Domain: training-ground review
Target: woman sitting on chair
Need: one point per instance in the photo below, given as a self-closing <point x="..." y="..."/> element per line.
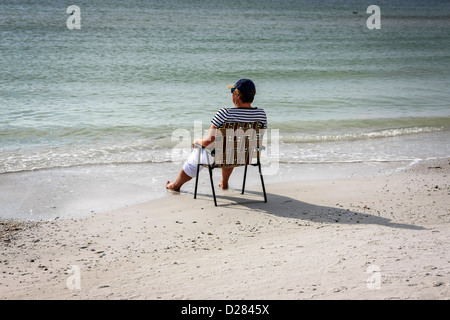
<point x="243" y="93"/>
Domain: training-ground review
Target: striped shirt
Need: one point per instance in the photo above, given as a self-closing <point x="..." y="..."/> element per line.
<point x="226" y="115"/>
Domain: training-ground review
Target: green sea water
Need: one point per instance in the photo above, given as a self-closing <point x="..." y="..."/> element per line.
<point x="136" y="71"/>
<point x="114" y="91"/>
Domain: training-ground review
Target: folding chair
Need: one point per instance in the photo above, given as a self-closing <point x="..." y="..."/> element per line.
<point x="236" y="144"/>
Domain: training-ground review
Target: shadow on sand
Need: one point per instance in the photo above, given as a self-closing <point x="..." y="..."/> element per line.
<point x="288" y="207"/>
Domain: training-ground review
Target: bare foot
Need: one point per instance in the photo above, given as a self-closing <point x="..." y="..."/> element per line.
<point x="171" y="186"/>
<point x="223" y="186"/>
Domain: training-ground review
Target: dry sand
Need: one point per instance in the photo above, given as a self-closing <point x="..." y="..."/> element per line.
<point x="385" y="237"/>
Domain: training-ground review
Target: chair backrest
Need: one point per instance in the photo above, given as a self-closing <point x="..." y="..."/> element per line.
<point x="238" y="144"/>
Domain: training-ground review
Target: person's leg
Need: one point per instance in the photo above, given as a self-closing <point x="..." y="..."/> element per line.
<point x="226" y="173"/>
<point x="189" y="169"/>
<point x="180" y="180"/>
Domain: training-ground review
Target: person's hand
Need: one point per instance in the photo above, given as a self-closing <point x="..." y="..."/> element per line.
<point x="196" y="141"/>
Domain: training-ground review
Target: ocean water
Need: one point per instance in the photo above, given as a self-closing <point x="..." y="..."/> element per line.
<point x="108" y="103"/>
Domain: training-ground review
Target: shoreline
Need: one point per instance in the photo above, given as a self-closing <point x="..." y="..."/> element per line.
<point x="380" y="237"/>
<point x="78" y="192"/>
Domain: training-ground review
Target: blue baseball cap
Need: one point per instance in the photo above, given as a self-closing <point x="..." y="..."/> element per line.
<point x="245" y="86"/>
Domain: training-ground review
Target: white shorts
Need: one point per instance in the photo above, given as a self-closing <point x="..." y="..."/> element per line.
<point x="190" y="166"/>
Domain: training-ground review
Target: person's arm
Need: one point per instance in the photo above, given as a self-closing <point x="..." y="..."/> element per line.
<point x="208" y="140"/>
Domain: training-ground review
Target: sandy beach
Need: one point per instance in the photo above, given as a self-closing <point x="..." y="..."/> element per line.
<point x="385" y="237"/>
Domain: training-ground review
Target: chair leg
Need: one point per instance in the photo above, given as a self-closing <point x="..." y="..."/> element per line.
<point x="212" y="185"/>
<point x="196" y="181"/>
<point x="245" y="176"/>
<point x="262" y="182"/>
